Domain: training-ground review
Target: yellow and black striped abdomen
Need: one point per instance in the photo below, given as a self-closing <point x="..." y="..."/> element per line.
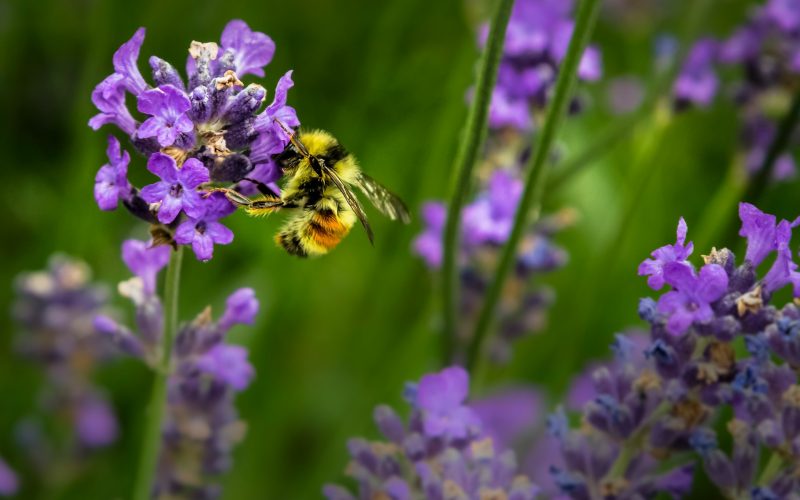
<point x="316" y="231"/>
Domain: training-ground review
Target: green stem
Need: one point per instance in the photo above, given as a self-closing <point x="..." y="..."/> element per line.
<point x="778" y="146"/>
<point x="151" y="443"/>
<point x="530" y="203"/>
<point x="634" y="442"/>
<point x="471" y="141"/>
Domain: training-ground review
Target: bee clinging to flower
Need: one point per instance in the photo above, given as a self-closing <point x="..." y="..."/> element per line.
<point x="323" y="208"/>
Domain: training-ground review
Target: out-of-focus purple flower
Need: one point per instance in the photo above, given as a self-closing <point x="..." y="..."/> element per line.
<point x="228" y="363"/>
<point x="428" y="245"/>
<point x="490" y="218"/>
<point x="176" y="190"/>
<point x="508" y="111"/>
<point x="111" y="182"/>
<point x="690" y="301"/>
<point x="441" y="398"/>
<point x="9" y="484"/>
<point x="167" y="107"/>
<point x="785" y="13"/>
<point x="697" y="82"/>
<point x="249" y="50"/>
<point x="240" y="308"/>
<point x="126" y="63"/>
<point x="412" y="463"/>
<point x="679" y="252"/>
<point x="506" y="415"/>
<point x="205" y="231"/>
<point x="96" y="424"/>
<point x="109" y="98"/>
<point x="625" y="94"/>
<point x="145" y="261"/>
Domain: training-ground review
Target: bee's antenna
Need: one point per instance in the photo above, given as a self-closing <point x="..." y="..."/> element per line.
<point x="297" y="144"/>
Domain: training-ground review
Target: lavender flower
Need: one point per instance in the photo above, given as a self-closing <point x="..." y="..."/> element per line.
<point x="54" y="310"/>
<point x="9" y="484"/>
<point x="201" y="426"/>
<point x="422" y="460"/>
<point x="536" y="43"/>
<point x="111" y="182"/>
<point x="206" y="128"/>
<point x="678" y="252"/>
<point x="764" y="54"/>
<point x="645" y="410"/>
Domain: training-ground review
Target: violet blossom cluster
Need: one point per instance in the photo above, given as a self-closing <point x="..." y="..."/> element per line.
<point x="202" y="131"/>
<point x="764" y="54"/>
<point x="9" y="483"/>
<point x="536" y="42"/>
<point x="440" y="453"/>
<point x="206" y="372"/>
<point x="53" y="310"/>
<point x="656" y="409"/>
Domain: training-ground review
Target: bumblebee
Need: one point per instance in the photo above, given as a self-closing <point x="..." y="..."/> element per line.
<point x="322" y="207"/>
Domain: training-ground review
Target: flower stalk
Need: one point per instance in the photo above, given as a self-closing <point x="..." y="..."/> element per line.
<point x="151" y="440"/>
<point x="471" y="141"/>
<point x="530" y="202"/>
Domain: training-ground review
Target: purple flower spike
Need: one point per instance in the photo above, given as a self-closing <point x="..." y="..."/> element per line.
<point x="145" y="261"/>
<point x="240" y="309"/>
<point x="251" y="50"/>
<point x="679" y="252"/>
<point x="428" y="245"/>
<point x="125" y="63"/>
<point x="167" y="106"/>
<point x="96" y="425"/>
<point x="176" y="190"/>
<point x="697" y="82"/>
<point x="9" y="484"/>
<point x="111" y="182"/>
<point x="784" y="13"/>
<point x="441" y="397"/>
<point x="228" y="363"/>
<point x="205" y="231"/>
<point x="690" y="301"/>
<point x="109" y="98"/>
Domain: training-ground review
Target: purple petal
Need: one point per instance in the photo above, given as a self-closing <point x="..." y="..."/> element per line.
<point x="151" y="102"/>
<point x="219" y="233"/>
<point x="240" y="308"/>
<point x="680" y="276"/>
<point x="125" y="62"/>
<point x="759" y="229"/>
<point x="153" y="193"/>
<point x="203" y="246"/>
<point x="712" y="282"/>
<point x="252" y="50"/>
<point x="193" y="173"/>
<point x="184" y="234"/>
<point x="193" y="204"/>
<point x="96" y="425"/>
<point x="163" y="166"/>
<point x="166" y="135"/>
<point x="169" y="209"/>
<point x="281" y="95"/>
<point x="228" y="363"/>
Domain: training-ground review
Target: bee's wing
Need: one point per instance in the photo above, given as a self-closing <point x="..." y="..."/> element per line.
<point x="351" y="199"/>
<point x="384" y="200"/>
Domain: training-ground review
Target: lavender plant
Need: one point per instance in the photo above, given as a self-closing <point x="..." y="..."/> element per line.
<point x="442" y="452"/>
<point x="762" y="54"/>
<point x="535" y="44"/>
<point x="654" y="409"/>
<point x="203" y="132"/>
<point x="205" y="129"/>
<point x="53" y="311"/>
<point x="201" y="425"/>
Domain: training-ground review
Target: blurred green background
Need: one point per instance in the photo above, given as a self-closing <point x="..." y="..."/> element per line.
<point x="340" y="334"/>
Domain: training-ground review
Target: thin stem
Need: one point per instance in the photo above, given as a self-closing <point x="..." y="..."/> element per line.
<point x="151" y="443"/>
<point x="531" y="200"/>
<point x="634" y="442"/>
<point x="471" y="141"/>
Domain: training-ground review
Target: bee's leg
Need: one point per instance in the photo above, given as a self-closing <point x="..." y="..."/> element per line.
<point x="262" y="188"/>
<point x="264" y="206"/>
<point x="233" y="196"/>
